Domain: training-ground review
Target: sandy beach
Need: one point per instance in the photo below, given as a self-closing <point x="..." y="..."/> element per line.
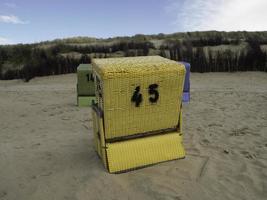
<point x="46" y="144"/>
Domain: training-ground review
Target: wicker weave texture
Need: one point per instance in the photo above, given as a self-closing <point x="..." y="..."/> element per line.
<point x="111" y="68"/>
<point x="85" y="83"/>
<point x="119" y="80"/>
<point x="140" y="152"/>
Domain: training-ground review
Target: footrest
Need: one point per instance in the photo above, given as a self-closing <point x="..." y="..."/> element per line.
<point x="136" y="153"/>
<point x="85" y="101"/>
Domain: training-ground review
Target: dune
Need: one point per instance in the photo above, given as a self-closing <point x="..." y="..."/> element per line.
<point x="46" y="144"/>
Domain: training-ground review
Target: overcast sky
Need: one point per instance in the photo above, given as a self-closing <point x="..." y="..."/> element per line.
<point x="30" y="21"/>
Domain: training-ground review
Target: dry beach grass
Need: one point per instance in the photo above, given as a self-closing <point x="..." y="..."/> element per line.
<point x="46" y="146"/>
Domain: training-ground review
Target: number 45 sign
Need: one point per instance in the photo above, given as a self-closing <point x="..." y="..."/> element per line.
<point x="137" y="97"/>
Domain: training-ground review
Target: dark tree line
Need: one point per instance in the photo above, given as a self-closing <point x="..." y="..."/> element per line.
<point x="38" y="61"/>
<point x="42" y="63"/>
<point x="51" y="58"/>
<point x="252" y="58"/>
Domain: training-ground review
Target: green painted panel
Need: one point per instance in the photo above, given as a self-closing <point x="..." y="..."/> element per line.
<point x="85" y="101"/>
<point x="85" y="82"/>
